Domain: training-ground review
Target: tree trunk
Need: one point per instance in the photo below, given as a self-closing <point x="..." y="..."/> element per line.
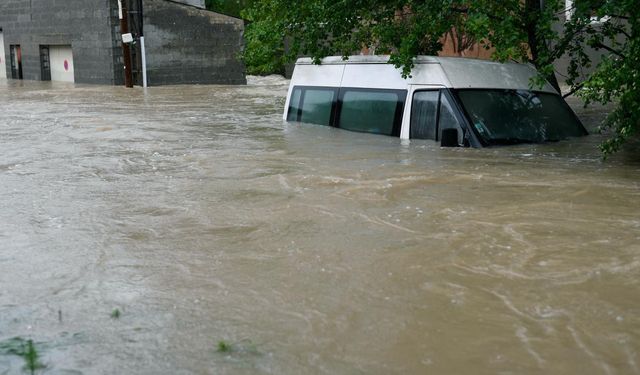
<point x="533" y="10"/>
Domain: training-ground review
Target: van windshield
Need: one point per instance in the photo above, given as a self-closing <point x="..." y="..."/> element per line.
<point x="519" y="116"/>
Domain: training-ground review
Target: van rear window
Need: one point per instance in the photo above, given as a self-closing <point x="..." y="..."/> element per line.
<point x="372" y="111"/>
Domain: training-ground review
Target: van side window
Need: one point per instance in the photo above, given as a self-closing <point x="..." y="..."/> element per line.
<point x="431" y="112"/>
<point x="448" y="119"/>
<point x="294" y="105"/>
<point x="313" y="105"/>
<point x="372" y="111"/>
<point x="317" y="105"/>
<point x="424" y="114"/>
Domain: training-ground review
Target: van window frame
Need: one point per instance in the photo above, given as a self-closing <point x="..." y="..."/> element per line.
<point x="460" y="116"/>
<point x="397" y="117"/>
<point x="303" y="92"/>
<point x="437" y="125"/>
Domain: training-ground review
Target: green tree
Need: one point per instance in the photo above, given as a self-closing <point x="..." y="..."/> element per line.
<point x="319" y="28"/>
<point x="229" y="7"/>
<point x="613" y="27"/>
<point x="523" y="30"/>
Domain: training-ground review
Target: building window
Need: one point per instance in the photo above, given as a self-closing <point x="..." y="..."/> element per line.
<point x="16" y="61"/>
<point x="45" y="64"/>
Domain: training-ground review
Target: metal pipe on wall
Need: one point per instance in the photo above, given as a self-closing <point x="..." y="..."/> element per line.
<point x="143" y="52"/>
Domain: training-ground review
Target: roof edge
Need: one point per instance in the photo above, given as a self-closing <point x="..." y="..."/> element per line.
<point x="384" y="59"/>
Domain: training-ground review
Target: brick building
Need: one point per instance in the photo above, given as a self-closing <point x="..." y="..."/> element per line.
<point x="80" y="41"/>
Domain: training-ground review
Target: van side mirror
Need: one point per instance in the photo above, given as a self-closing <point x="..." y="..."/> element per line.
<point x="449" y="138"/>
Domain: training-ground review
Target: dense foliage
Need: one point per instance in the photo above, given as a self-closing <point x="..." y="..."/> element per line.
<point x="612" y="27"/>
<point x="229" y="7"/>
<point x="532" y="31"/>
<point x="319" y="28"/>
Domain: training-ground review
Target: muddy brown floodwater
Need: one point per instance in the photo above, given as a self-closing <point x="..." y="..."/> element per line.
<point x="203" y="218"/>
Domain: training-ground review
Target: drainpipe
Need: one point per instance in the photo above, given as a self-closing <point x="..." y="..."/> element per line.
<point x="143" y="51"/>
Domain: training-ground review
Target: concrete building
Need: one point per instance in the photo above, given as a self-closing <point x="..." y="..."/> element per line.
<point x="80" y="41"/>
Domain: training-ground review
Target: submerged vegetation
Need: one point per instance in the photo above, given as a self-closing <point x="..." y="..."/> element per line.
<point x="223" y="347"/>
<point x="25" y="349"/>
<point x="115" y="314"/>
<point x="31" y="358"/>
<point x="240" y="348"/>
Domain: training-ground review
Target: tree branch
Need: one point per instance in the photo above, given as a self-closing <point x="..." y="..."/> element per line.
<point x="621" y="30"/>
<point x="573" y="91"/>
<point x="605" y="47"/>
<point x="618" y="16"/>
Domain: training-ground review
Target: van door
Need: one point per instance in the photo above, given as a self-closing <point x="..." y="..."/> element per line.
<point x="405" y="132"/>
<point x="433" y="109"/>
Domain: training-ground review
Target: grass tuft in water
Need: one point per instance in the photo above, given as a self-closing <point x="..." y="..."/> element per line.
<point x="243" y="348"/>
<point x="25" y="349"/>
<point x="32" y="358"/>
<point x="115" y="314"/>
<point x="223" y="347"/>
<point x="12" y="346"/>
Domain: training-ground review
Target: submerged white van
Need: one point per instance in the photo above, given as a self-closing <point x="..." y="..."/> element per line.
<point x="456" y="101"/>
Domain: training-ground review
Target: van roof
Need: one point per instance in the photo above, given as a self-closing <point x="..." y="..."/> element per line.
<point x="364" y="59"/>
<point x="460" y="72"/>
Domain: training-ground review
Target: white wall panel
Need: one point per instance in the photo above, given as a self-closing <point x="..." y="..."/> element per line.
<point x="61" y="63"/>
<point x="3" y="64"/>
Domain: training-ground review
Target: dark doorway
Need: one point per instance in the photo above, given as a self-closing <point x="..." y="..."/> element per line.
<point x="16" y="61"/>
<point x="45" y="63"/>
<point x="135" y="27"/>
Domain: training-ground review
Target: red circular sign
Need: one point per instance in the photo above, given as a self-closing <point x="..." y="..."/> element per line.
<point x="66" y="65"/>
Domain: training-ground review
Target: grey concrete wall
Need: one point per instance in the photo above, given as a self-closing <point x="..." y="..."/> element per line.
<point x="195" y="3"/>
<point x="86" y="25"/>
<point x="185" y="44"/>
<point x="190" y="45"/>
